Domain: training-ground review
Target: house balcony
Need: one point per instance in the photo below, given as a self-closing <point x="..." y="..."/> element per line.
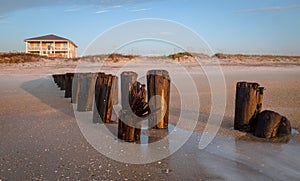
<point x="45" y="49"/>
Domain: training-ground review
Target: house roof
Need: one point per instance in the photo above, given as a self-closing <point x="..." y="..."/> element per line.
<point x="50" y="37"/>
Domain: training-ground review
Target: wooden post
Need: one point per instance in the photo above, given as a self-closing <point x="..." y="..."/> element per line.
<point x="127" y="79"/>
<point x="115" y="90"/>
<point x="114" y="98"/>
<point x="109" y="98"/>
<point x="58" y="79"/>
<point x="55" y="78"/>
<point x="260" y="98"/>
<point x="105" y="92"/>
<point x="98" y="84"/>
<point x="104" y="99"/>
<point x="158" y="84"/>
<point x="86" y="91"/>
<point x="126" y="132"/>
<point x="62" y="82"/>
<point x="248" y="104"/>
<point x="75" y="88"/>
<point x="139" y="107"/>
<point x="271" y="124"/>
<point x="68" y="84"/>
<point x="134" y="109"/>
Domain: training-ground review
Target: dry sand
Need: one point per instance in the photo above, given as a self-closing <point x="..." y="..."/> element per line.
<point x="40" y="138"/>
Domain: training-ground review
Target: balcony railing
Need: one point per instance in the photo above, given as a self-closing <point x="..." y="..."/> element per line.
<point x="45" y="49"/>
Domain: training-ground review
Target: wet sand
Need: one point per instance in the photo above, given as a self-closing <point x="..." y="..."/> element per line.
<point x="40" y="138"/>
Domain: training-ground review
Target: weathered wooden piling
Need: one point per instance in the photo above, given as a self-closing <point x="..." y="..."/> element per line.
<point x="96" y="115"/>
<point x="112" y="97"/>
<point x="248" y="103"/>
<point x="127" y="79"/>
<point x="55" y="78"/>
<point x="137" y="100"/>
<point x="271" y="124"/>
<point x="62" y="82"/>
<point x="86" y="82"/>
<point x="134" y="107"/>
<point x="106" y="95"/>
<point x="59" y="80"/>
<point x="75" y="88"/>
<point x="115" y="90"/>
<point x="260" y="99"/>
<point x="158" y="84"/>
<point x="68" y="84"/>
<point x="105" y="106"/>
<point x="126" y="132"/>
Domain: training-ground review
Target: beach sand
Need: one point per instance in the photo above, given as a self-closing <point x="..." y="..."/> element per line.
<point x="41" y="140"/>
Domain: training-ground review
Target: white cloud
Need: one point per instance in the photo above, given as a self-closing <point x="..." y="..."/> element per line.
<point x="270" y="9"/>
<point x="142" y="9"/>
<point x="103" y="11"/>
<point x="117" y="6"/>
<point x="108" y="9"/>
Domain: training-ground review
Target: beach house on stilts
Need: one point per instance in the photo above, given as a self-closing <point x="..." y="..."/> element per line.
<point x="51" y="46"/>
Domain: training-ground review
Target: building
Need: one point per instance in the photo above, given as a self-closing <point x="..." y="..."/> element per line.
<point x="52" y="46"/>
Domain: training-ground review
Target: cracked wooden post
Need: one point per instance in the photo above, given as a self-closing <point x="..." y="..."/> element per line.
<point x="126" y="132"/>
<point x="158" y="86"/>
<point x="68" y="84"/>
<point x="105" y="93"/>
<point x="134" y="107"/>
<point x="86" y="91"/>
<point x="112" y="98"/>
<point x="248" y="103"/>
<point x="139" y="107"/>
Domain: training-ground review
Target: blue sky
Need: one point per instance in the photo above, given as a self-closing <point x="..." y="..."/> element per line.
<point x="229" y="26"/>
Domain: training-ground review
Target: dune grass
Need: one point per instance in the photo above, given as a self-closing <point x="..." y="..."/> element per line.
<point x="115" y="57"/>
<point x="258" y="58"/>
<point x="14" y="58"/>
<point x="180" y="55"/>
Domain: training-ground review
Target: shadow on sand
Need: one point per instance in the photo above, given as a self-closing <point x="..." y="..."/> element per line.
<point x="48" y="93"/>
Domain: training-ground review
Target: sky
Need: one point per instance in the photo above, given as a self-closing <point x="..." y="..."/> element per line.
<point x="226" y="26"/>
